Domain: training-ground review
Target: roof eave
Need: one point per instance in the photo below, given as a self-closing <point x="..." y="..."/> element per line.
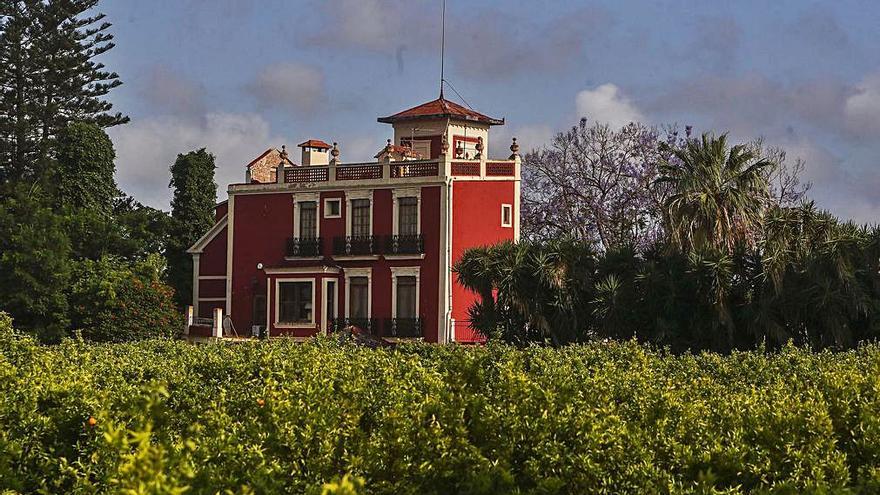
<point x="393" y="119"/>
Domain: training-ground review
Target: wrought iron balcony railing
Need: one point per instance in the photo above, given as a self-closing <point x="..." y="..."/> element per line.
<point x="355" y="245"/>
<point x="367" y="325"/>
<point x="404" y="244"/>
<point x="403" y="328"/>
<point x="303" y="247"/>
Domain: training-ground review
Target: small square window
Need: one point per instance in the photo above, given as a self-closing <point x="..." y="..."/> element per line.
<point x="332" y="208"/>
<point x="506" y="216"/>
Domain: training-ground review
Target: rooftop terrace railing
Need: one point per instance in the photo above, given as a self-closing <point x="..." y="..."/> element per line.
<point x="397" y="170"/>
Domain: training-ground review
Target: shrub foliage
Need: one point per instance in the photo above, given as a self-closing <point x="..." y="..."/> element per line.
<point x="114" y="301"/>
<point x="278" y="417"/>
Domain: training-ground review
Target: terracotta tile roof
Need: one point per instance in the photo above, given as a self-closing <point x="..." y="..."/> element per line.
<point x="440" y="108"/>
<point x="315" y="143"/>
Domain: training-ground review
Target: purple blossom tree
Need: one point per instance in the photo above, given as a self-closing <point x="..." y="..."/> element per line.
<point x="597" y="184"/>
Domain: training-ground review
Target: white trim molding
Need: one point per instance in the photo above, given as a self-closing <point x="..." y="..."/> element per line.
<point x="509" y="208"/>
<point x="404" y="271"/>
<point x="326" y="213"/>
<point x="325" y="282"/>
<point x="209" y="236"/>
<point x="359" y="272"/>
<point x="301" y="270"/>
<point x="195" y="279"/>
<point x="303" y="197"/>
<point x="230" y="244"/>
<point x="357" y="194"/>
<point x="408" y="192"/>
<point x="280" y="324"/>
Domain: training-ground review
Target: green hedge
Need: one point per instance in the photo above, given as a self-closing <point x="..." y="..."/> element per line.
<point x="279" y="417"/>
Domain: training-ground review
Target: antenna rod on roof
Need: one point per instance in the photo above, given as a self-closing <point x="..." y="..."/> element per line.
<point x="442" y="44"/>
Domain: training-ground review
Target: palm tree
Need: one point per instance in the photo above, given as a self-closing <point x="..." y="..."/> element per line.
<point x="717" y="193"/>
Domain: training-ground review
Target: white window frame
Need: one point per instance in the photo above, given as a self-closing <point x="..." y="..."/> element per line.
<point x="327" y="201"/>
<point x="508" y="207"/>
<point x="404" y="271"/>
<point x="412" y="192"/>
<point x="358" y="272"/>
<point x="335" y="310"/>
<point x="352" y="195"/>
<point x="279" y="324"/>
<point x="423" y="143"/>
<point x="306" y="198"/>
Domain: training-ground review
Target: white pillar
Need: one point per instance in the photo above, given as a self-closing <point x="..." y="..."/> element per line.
<point x="190" y="316"/>
<point x="218" y="323"/>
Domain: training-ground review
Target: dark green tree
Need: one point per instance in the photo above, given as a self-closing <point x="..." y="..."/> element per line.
<point x="192" y="214"/>
<point x="34" y="264"/>
<point x="144" y="230"/>
<point x="84" y="174"/>
<point x="49" y="76"/>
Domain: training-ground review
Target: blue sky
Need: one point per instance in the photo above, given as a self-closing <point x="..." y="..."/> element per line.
<point x="238" y="76"/>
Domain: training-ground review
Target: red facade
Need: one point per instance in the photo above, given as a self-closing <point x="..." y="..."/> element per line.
<point x="369" y="245"/>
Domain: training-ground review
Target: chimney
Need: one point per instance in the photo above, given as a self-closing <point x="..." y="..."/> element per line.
<point x="315" y="153"/>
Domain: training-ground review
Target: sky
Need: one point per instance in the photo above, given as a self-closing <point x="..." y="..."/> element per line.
<point x="240" y="76"/>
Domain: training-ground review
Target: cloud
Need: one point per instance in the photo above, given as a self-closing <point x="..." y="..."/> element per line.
<point x="484" y="43"/>
<point x="607" y="104"/>
<point x="146" y="148"/>
<point x="295" y="87"/>
<point x="168" y="92"/>
<point x="496" y="45"/>
<point x="751" y="104"/>
<point x="367" y="24"/>
<point x="819" y="27"/>
<point x="862" y="108"/>
<point x="717" y="43"/>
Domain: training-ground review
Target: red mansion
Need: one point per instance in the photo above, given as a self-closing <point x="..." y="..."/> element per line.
<point x="301" y="249"/>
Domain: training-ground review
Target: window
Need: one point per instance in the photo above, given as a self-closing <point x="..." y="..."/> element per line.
<point x="420" y="146"/>
<point x="359" y="297"/>
<point x="360" y="217"/>
<point x="406" y="297"/>
<point x="506" y="216"/>
<point x="332" y="208"/>
<point x="295" y="302"/>
<point x="308" y="220"/>
<point x="408" y="216"/>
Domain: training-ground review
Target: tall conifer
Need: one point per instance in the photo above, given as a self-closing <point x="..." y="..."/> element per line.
<point x="192" y="214"/>
<point x="49" y="77"/>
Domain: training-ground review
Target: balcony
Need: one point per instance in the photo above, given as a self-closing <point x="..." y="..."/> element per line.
<point x="355" y="246"/>
<point x="401" y="328"/>
<point x="404" y="244"/>
<point x="375" y="245"/>
<point x="308" y="247"/>
<point x="367" y="325"/>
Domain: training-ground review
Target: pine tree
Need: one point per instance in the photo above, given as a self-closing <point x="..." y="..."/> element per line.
<point x="48" y="78"/>
<point x="192" y="214"/>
